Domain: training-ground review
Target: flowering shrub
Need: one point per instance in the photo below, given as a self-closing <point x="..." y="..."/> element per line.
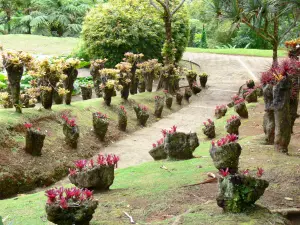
<point x="208" y="123"/>
<point x="68" y="197"/>
<point x="232" y="118"/>
<point x="101" y="115"/>
<point x="158" y="143"/>
<point x="70" y="122"/>
<point x="226" y="140"/>
<point x="123" y="110"/>
<point x="239" y="101"/>
<point x="219" y="108"/>
<point x="27" y="125"/>
<point x="292" y="43"/>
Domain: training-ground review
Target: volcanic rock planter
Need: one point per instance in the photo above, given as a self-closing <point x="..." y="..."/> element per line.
<point x="196" y="89"/>
<point x="220" y="111"/>
<point x="70" y="206"/>
<point x="14" y="74"/>
<point x="141" y="114"/>
<point x="241" y="109"/>
<point x="259" y="91"/>
<point x="238" y="193"/>
<point x="250" y="84"/>
<point x="58" y="99"/>
<point x="86" y="92"/>
<point x="158" y="107"/>
<point x="71" y="134"/>
<point x="180" y="145"/>
<point x="179" y="98"/>
<point x="108" y="93"/>
<point x="100" y="124"/>
<point x="187" y="94"/>
<point x="209" y="129"/>
<point x="281" y="102"/>
<point x="69" y="83"/>
<point x="122" y="119"/>
<point x="250" y="96"/>
<point x="233" y="124"/>
<point x="203" y="79"/>
<point x="226" y="156"/>
<point x="169" y="101"/>
<point x="158" y="152"/>
<point x="34" y="142"/>
<point x="47" y="97"/>
<point x="142" y="86"/>
<point x="125" y="91"/>
<point x="269" y="119"/>
<point x="191" y="77"/>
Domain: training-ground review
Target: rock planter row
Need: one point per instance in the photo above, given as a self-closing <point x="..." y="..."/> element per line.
<point x="70" y="206"/>
<point x="237" y="192"/>
<point x="175" y="145"/>
<point x="97" y="175"/>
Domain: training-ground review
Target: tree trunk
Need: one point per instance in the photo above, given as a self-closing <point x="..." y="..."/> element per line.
<point x="275" y="42"/>
<point x="8" y="19"/>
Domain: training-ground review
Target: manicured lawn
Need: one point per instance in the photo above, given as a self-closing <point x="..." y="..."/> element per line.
<point x="239" y="51"/>
<point x="39" y="44"/>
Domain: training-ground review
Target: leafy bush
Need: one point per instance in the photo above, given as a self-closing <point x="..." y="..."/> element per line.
<point x="114" y="28"/>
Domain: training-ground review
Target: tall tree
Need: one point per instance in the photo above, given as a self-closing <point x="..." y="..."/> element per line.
<point x="9" y="7"/>
<point x="264" y="17"/>
<point x="167" y="8"/>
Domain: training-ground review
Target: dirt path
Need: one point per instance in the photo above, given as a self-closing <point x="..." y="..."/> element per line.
<point x="226" y="75"/>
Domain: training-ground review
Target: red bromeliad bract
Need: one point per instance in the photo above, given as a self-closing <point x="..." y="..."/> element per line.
<point x="229" y="138"/>
<point x="239" y="101"/>
<point x="27" y="125"/>
<point x="70" y="122"/>
<point x="101" y="115"/>
<point x="224" y="173"/>
<point x="260" y="172"/>
<point x="232" y="118"/>
<point x="208" y="123"/>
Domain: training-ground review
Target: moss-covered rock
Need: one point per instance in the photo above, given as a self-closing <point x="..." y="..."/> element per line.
<point x="209" y="131"/>
<point x="71" y="135"/>
<point x="158" y="153"/>
<point x="34" y="142"/>
<point x="241" y="109"/>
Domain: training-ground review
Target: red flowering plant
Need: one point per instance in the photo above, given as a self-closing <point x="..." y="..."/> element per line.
<point x="100" y="115"/>
<point x="260" y="172"/>
<point x="164" y="132"/>
<point x="224" y="173"/>
<point x="208" y="123"/>
<point x="209" y="128"/>
<point x="29" y="127"/>
<point x="70" y="205"/>
<point x="235" y="97"/>
<point x="229" y="138"/>
<point x="239" y="101"/>
<point x="220" y="111"/>
<point x="68" y="121"/>
<point x="233" y="118"/>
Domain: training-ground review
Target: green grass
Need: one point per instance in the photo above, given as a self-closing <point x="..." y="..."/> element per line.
<point x="239" y="51"/>
<point x="39" y="44"/>
<point x="147" y="190"/>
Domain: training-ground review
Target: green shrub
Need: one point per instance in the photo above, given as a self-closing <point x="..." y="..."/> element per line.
<point x="117" y="27"/>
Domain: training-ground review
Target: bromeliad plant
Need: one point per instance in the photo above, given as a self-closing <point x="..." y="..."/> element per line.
<point x="159" y="105"/>
<point x="70" y="205"/>
<point x="209" y="129"/>
<point x="122" y="118"/>
<point x="191" y="77"/>
<point x="34" y="140"/>
<point x="110" y="84"/>
<point x="100" y="124"/>
<point x="98" y="175"/>
<point x="220" y="111"/>
<point x="124" y="79"/>
<point x="149" y="70"/>
<point x="70" y="130"/>
<point x="142" y="114"/>
<point x="233" y="124"/>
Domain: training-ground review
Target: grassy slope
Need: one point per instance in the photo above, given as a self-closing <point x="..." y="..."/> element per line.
<point x="64" y="46"/>
<point x="39" y="44"/>
<point x="151" y="195"/>
<point x="239" y="51"/>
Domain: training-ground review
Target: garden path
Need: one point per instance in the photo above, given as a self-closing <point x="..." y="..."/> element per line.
<point x="226" y="74"/>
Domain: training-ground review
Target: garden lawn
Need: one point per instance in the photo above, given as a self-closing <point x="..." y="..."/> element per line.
<point x="41" y="45"/>
<point x="153" y="194"/>
<point x="239" y="51"/>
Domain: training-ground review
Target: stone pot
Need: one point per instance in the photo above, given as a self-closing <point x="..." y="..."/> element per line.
<point x="100" y="126"/>
<point x="237" y="192"/>
<point x="79" y="215"/>
<point x="71" y="135"/>
<point x="281" y="103"/>
<point x="220" y="113"/>
<point x="47" y="98"/>
<point x="209" y="131"/>
<point x="108" y="93"/>
<point x="169" y="101"/>
<point x="196" y="89"/>
<point x="233" y="126"/>
<point x="122" y="121"/>
<point x="241" y="109"/>
<point x="86" y="92"/>
<point x="179" y="98"/>
<point x="158" y="153"/>
<point x="203" y="81"/>
<point x="159" y="105"/>
<point x="180" y="145"/>
<point x="34" y="142"/>
<point x="252" y="97"/>
<point x="97" y="178"/>
<point x="72" y="74"/>
<point x="226" y="156"/>
<point x="187" y="94"/>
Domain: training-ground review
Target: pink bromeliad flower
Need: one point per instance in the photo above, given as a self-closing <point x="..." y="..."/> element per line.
<point x="208" y="123"/>
<point x="63" y="203"/>
<point x="164" y="132"/>
<point x="154" y="145"/>
<point x="80" y="164"/>
<point x="101" y="115"/>
<point x="51" y="194"/>
<point x="232" y="118"/>
<point x="27" y="125"/>
<point x="224" y="173"/>
<point x="239" y="101"/>
<point x="260" y="172"/>
<point x="226" y="140"/>
<point x="87" y="193"/>
<point x="246" y="172"/>
<point x="72" y="172"/>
